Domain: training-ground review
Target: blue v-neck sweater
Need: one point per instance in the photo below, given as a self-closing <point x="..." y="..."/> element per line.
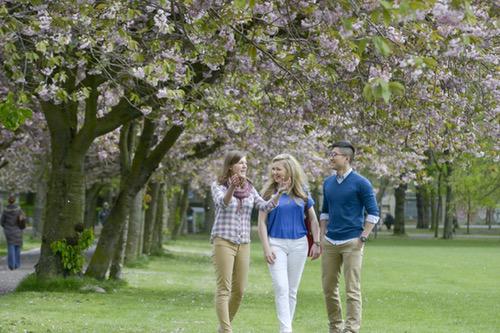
<point x="345" y="204"/>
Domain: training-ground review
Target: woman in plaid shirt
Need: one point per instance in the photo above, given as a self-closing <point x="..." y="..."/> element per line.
<point x="234" y="197"/>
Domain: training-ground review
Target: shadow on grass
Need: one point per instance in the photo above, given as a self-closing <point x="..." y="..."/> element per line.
<point x="79" y="284"/>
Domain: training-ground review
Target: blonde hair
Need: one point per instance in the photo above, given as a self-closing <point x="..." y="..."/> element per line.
<point x="230" y="159"/>
<point x="296" y="174"/>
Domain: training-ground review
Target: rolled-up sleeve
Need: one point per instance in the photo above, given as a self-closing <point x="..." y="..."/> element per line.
<point x="262" y="204"/>
<point x="218" y="193"/>
<point x="369" y="202"/>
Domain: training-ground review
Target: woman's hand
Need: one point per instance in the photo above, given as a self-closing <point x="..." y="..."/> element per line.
<point x="236" y="180"/>
<point x="315" y="251"/>
<point x="284" y="186"/>
<point x="269" y="256"/>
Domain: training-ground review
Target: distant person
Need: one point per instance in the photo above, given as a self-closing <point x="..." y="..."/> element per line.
<point x="234" y="198"/>
<point x="388" y="221"/>
<point x="12" y="221"/>
<point x="346" y="197"/>
<point x="104" y="213"/>
<point x="283" y="234"/>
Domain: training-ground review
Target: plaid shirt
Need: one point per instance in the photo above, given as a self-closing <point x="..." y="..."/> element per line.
<point x="232" y="225"/>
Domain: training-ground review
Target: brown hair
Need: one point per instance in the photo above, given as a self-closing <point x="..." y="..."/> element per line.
<point x="11" y="199"/>
<point x="231" y="158"/>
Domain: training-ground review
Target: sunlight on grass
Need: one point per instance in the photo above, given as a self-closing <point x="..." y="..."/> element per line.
<point x="414" y="286"/>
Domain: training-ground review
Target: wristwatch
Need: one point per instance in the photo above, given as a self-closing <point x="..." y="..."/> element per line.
<point x="363" y="239"/>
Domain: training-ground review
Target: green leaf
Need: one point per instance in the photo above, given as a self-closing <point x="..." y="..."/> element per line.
<point x="347" y="23"/>
<point x="386" y="92"/>
<point x="382" y="46"/>
<point x="430" y="62"/>
<point x="367" y="92"/>
<point x="397" y="88"/>
<point x="386" y="4"/>
<point x="362" y="46"/>
<point x="240" y="4"/>
<point x="252" y="52"/>
<point x="11" y="115"/>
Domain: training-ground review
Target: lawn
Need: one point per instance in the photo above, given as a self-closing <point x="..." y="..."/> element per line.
<point x="415" y="286"/>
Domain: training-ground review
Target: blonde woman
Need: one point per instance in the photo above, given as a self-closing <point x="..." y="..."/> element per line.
<point x="283" y="234"/>
<point x="234" y="197"/>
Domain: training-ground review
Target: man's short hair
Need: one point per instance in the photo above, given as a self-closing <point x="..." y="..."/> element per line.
<point x="346" y="146"/>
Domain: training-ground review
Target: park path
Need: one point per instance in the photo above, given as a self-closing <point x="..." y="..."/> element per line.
<point x="10" y="279"/>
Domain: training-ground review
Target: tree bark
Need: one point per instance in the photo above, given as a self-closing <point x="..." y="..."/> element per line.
<point x="469" y="212"/>
<point x="157" y="243"/>
<point x="135" y="225"/>
<point x="209" y="210"/>
<point x="66" y="188"/>
<point x="425" y="207"/>
<point x="439" y="209"/>
<point x="40" y="202"/>
<point x="115" y="271"/>
<point x="384" y="182"/>
<point x="489" y="216"/>
<point x="173" y="203"/>
<point x="449" y="212"/>
<point x="91" y="194"/>
<point x="422" y="220"/>
<point x="181" y="211"/>
<point x="150" y="219"/>
<point x="399" y="219"/>
<point x="433" y="206"/>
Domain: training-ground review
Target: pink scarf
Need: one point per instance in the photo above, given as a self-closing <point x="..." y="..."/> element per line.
<point x="241" y="193"/>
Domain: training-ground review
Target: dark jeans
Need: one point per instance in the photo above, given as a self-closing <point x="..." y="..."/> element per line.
<point x="13" y="256"/>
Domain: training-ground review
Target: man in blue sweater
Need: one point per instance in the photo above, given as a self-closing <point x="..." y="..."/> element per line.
<point x="344" y="231"/>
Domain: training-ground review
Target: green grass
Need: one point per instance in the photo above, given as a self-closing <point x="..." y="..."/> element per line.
<point x="414" y="286"/>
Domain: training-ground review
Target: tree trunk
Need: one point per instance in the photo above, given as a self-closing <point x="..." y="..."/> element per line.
<point x="150" y="219"/>
<point x="489" y="216"/>
<point x="64" y="209"/>
<point x="182" y="211"/>
<point x="135" y="225"/>
<point x="439" y="209"/>
<point x="426" y="207"/>
<point x="173" y="204"/>
<point x="469" y="208"/>
<point x="433" y="206"/>
<point x="115" y="271"/>
<point x="144" y="164"/>
<point x="40" y="202"/>
<point x="399" y="223"/>
<point x="157" y="244"/>
<point x="420" y="207"/>
<point x="384" y="182"/>
<point x="69" y="144"/>
<point x="209" y="206"/>
<point x="91" y="194"/>
<point x="448" y="218"/>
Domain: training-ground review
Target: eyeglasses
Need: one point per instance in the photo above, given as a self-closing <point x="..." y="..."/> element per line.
<point x="333" y="154"/>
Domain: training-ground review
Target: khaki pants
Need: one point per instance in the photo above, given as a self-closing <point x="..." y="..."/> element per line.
<point x="231" y="263"/>
<point x="349" y="255"/>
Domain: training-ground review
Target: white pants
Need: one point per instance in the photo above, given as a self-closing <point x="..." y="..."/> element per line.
<point x="291" y="255"/>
